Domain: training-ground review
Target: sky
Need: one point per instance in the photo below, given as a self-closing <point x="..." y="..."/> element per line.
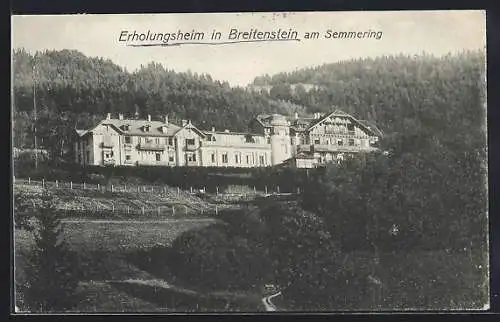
<point x="409" y="32"/>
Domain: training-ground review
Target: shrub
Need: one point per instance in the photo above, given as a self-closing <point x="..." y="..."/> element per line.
<point x="52" y="269"/>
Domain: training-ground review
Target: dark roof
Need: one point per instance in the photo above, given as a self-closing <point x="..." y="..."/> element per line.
<point x="135" y="127"/>
<point x="371" y="126"/>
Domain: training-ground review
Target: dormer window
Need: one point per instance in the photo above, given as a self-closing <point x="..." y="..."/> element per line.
<point x="126" y="127"/>
<point x="146" y="128"/>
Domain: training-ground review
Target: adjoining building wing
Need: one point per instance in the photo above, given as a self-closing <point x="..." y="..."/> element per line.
<point x="274" y="140"/>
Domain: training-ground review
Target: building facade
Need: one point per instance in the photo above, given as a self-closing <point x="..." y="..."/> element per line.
<point x="274" y="140"/>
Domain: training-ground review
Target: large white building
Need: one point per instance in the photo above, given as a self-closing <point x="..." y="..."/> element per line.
<point x="275" y="139"/>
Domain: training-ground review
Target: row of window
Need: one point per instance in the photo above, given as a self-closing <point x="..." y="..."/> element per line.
<point x="169" y="140"/>
<point x="340" y="142"/>
<point x="237" y="159"/>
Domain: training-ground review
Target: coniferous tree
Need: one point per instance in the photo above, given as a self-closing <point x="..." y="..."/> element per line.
<point x="52" y="270"/>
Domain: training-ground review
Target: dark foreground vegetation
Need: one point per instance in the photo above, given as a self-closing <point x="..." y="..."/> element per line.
<point x="405" y="228"/>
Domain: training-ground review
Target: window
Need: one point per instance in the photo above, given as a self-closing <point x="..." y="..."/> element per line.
<point x="248" y="159"/>
<point x="351" y="142"/>
<point x="189" y="141"/>
<point x="146" y="128"/>
<point x="316" y="141"/>
<point x="340" y="142"/>
<point x="261" y="159"/>
<point x="249" y="139"/>
<point x="158" y="157"/>
<point x="157" y="140"/>
<point x="224" y="158"/>
<point x="213" y="157"/>
<point x="88" y="156"/>
<point x="127" y="157"/>
<point x="350" y="127"/>
<point x="170" y="141"/>
<point x="192" y="157"/>
<point x="236" y="158"/>
<point x="268" y="140"/>
<point x="171" y="158"/>
<point x="128" y="139"/>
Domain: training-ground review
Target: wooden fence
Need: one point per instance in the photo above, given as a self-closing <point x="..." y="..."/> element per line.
<point x="153" y="189"/>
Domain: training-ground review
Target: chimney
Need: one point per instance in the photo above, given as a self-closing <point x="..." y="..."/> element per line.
<point x="108" y="117"/>
<point x="296" y="116"/>
<point x="184" y="122"/>
<point x="166" y="119"/>
<point x="226" y="131"/>
<point x="120" y="116"/>
<point x="149" y="118"/>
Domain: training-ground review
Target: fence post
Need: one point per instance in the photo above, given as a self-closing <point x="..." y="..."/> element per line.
<point x="254" y="190"/>
<point x="71" y="184"/>
<point x="138" y="189"/>
<point x="298" y="190"/>
<point x="191" y="189"/>
<point x="158" y="210"/>
<point x="128" y="209"/>
<point x="43" y="183"/>
<point x="99" y="187"/>
<point x="29" y="180"/>
<point x="185" y="209"/>
<point x="152" y="189"/>
<point x="173" y="210"/>
<point x="57" y="184"/>
<point x="216" y="210"/>
<point x="143" y="210"/>
<point x="278" y="189"/>
<point x="266" y="189"/>
<point x="217" y="190"/>
<point x="84" y="186"/>
<point x="112" y="188"/>
<point x="165" y="190"/>
<point x="112" y="207"/>
<point x="178" y="190"/>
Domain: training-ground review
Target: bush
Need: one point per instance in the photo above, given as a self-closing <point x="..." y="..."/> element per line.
<point x="215" y="257"/>
<point x="52" y="269"/>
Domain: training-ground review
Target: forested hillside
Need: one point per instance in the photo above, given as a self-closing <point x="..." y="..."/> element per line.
<point x="73" y="90"/>
<point x="400" y="94"/>
<point x="392" y="91"/>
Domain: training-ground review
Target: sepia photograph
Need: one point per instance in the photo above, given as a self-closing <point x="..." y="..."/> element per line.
<point x="249" y="162"/>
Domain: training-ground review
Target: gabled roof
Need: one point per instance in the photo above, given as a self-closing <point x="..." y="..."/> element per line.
<point x="81" y="133"/>
<point x="136" y="127"/>
<point x="370" y="128"/>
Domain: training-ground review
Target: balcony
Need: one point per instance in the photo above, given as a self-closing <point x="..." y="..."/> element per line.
<point x="149" y="146"/>
<point x="107" y="144"/>
<point x="341" y="148"/>
<point x="191" y="147"/>
<point x="108" y="162"/>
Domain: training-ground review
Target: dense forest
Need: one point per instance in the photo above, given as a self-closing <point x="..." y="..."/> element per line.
<point x="73" y="90"/>
<point x="398" y="93"/>
<point x="405" y="228"/>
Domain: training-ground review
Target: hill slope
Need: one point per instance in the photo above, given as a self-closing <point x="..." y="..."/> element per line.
<point x="76" y="90"/>
<point x="390" y="91"/>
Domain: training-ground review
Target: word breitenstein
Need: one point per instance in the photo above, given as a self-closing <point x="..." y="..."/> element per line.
<point x="255" y="34"/>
